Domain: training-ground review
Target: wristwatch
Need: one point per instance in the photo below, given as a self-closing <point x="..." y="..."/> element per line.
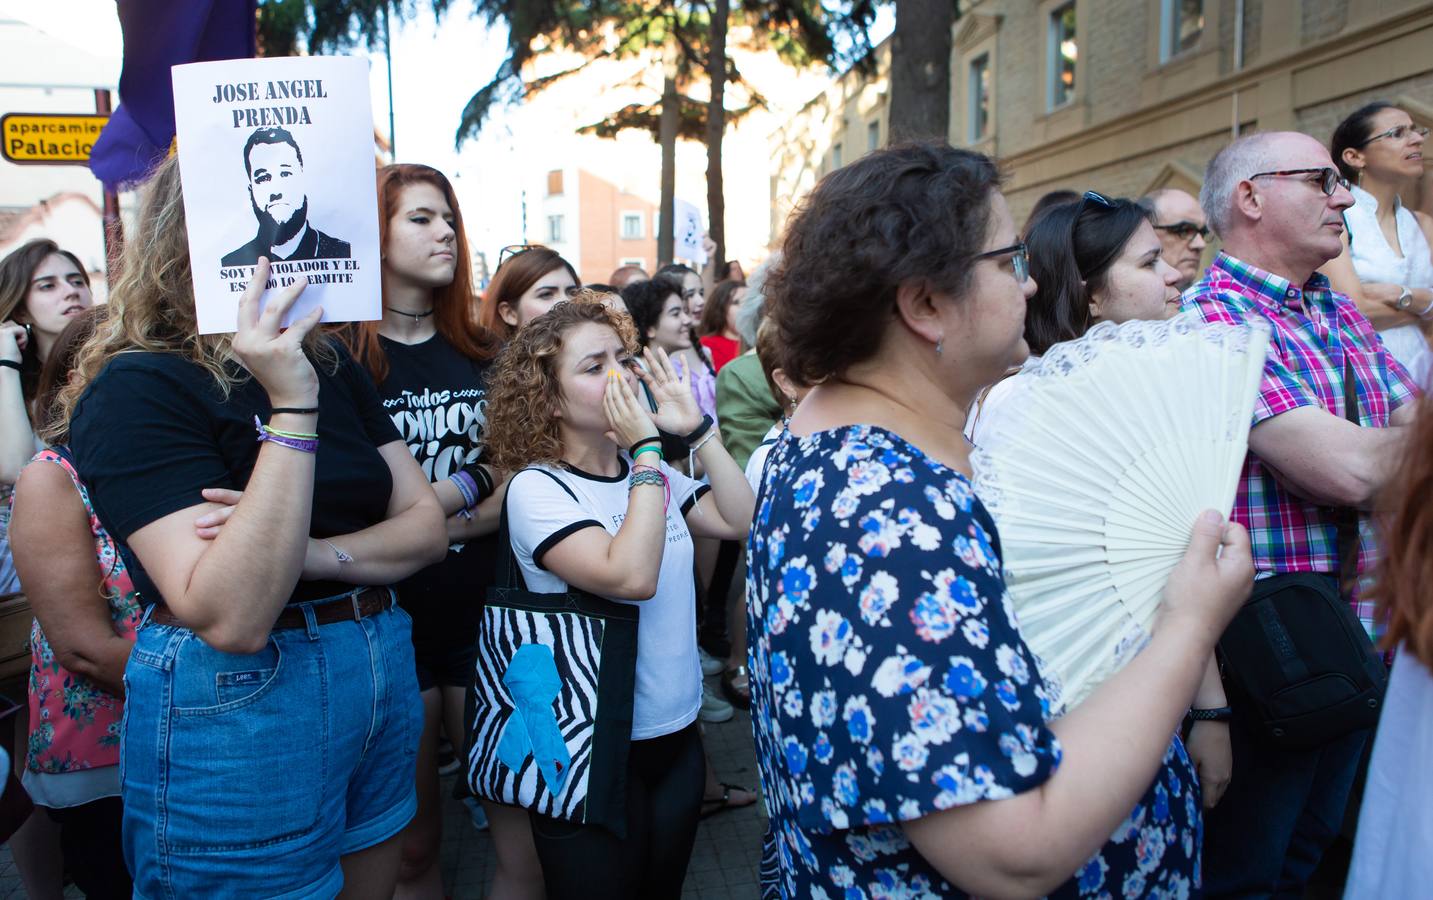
<point x="1405" y="299"/>
<point x="1217" y="714"/>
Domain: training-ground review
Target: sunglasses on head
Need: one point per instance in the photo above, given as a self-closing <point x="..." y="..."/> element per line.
<point x="1185" y="231"/>
<point x="512" y="250"/>
<point x="1397" y="133"/>
<point x="1098" y="199"/>
<point x="1329" y="178"/>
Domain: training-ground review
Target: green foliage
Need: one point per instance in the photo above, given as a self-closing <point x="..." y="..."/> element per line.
<point x="802" y="32"/>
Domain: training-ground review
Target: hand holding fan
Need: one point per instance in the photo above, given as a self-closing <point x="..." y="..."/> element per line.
<point x="1110" y="447"/>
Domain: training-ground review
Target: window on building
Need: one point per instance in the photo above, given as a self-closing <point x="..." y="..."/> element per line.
<point x="637" y="261"/>
<point x="873" y="136"/>
<point x="836" y="156"/>
<point x="632" y="226"/>
<point x="1181" y="24"/>
<point x="978" y="90"/>
<point x="554" y="229"/>
<point x="554" y="182"/>
<point x="1061" y="55"/>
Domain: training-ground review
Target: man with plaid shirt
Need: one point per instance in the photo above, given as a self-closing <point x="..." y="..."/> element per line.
<point x="1277" y="203"/>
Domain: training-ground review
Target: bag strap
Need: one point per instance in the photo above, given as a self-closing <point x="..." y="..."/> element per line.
<point x="509" y="574"/>
<point x="1347" y="519"/>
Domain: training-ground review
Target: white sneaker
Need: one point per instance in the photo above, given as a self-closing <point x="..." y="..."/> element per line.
<point x="710" y="664"/>
<point x="714" y="708"/>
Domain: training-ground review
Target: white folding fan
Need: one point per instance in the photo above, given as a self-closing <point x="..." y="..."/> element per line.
<point x="1105" y="451"/>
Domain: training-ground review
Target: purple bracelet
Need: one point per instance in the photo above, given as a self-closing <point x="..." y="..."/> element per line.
<point x="472" y="495"/>
<point x="301" y="444"/>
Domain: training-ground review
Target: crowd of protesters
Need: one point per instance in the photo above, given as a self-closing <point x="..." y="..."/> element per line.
<point x="259" y="562"/>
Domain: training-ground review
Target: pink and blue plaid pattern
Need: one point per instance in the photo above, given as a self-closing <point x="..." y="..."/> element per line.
<point x="1313" y="328"/>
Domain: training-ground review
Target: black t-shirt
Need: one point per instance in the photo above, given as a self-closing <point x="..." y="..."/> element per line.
<point x="437" y="398"/>
<point x="154" y="429"/>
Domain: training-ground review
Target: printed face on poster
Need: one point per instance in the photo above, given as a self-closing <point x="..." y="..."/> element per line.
<point x="688" y="232"/>
<point x="276" y="156"/>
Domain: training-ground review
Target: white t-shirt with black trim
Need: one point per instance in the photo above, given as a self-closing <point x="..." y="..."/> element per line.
<point x="541" y="514"/>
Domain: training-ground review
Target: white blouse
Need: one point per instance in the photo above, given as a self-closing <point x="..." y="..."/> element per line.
<point x="1376" y="262"/>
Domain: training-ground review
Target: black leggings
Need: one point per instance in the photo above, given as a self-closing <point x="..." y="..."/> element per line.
<point x="90" y="841"/>
<point x="665" y="780"/>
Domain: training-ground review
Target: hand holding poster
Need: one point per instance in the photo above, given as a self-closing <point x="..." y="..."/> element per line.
<point x="276" y="157"/>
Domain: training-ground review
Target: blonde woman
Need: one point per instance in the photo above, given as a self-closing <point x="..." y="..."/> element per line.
<point x="273" y="716"/>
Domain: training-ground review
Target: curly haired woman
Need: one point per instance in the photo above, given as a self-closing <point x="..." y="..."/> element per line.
<point x="593" y="506"/>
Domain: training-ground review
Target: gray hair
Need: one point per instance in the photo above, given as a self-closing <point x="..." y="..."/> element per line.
<point x="1235" y="163"/>
<point x="753" y="305"/>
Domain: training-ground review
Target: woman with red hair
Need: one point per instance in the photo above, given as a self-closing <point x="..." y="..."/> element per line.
<point x="1395" y="825"/>
<point x="429" y="357"/>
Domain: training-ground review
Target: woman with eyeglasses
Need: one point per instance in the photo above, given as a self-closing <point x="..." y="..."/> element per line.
<point x="529" y="281"/>
<point x="1095" y="260"/>
<point x="1386" y="266"/>
<point x="903" y="726"/>
<point x="1100" y="260"/>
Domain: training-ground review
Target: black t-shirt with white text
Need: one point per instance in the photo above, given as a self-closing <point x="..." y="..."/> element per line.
<point x="437" y="399"/>
<point x="154" y="429"/>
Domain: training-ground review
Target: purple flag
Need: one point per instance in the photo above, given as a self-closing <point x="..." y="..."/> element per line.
<point x="159" y="34"/>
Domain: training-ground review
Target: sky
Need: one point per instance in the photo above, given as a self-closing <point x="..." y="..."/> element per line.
<point x="436" y="68"/>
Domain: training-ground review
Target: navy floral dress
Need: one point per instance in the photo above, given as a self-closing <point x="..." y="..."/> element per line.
<point x="890" y="681"/>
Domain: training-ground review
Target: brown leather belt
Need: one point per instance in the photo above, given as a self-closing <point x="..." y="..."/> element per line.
<point x="345" y="608"/>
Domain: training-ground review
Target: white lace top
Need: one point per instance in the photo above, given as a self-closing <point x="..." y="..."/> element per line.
<point x="1376" y="262"/>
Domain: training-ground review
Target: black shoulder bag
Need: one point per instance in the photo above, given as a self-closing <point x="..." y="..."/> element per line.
<point x="1299" y="667"/>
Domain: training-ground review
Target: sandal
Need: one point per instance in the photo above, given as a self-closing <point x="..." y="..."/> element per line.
<point x="736" y="686"/>
<point x="723" y="803"/>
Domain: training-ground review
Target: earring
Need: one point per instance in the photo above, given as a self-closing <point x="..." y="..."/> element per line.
<point x="940" y="347"/>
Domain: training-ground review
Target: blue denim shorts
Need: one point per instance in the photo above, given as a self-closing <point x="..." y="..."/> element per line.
<point x="251" y="775"/>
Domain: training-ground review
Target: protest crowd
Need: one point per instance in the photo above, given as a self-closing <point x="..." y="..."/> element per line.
<point x="553" y="528"/>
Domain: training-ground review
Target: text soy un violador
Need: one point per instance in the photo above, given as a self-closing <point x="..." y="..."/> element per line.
<point x="280" y="89"/>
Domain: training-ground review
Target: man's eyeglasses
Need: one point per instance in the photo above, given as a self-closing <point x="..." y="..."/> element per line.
<point x="1397" y="133"/>
<point x="1019" y="259"/>
<point x="1329" y="178"/>
<point x="1185" y="231"/>
<point x="512" y="250"/>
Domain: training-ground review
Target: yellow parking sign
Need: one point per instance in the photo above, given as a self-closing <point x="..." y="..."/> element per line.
<point x="49" y="138"/>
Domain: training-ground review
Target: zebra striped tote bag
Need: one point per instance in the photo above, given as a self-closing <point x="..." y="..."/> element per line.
<point x="553" y="689"/>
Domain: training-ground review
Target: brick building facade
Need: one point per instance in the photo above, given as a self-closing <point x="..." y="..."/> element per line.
<point x="1123" y="96"/>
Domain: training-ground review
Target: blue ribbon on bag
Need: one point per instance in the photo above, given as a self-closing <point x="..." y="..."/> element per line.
<point x="531" y="730"/>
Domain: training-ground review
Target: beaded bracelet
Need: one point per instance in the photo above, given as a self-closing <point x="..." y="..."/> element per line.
<point x="294" y="440"/>
<point x="654" y="476"/>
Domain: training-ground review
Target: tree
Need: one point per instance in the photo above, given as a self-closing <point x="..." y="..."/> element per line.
<point x="920" y="69"/>
<point x="688" y="38"/>
<point x="716" y="128"/>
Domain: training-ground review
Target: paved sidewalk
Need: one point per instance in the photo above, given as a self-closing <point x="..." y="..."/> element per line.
<point x="724" y="861"/>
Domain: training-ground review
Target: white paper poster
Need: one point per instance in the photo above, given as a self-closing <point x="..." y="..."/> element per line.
<point x="688" y="233"/>
<point x="276" y="156"/>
